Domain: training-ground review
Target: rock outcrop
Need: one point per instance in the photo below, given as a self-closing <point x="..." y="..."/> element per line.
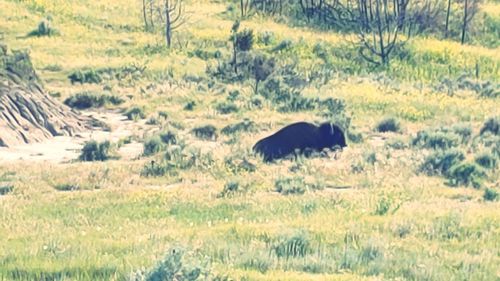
<point x="27" y="113"/>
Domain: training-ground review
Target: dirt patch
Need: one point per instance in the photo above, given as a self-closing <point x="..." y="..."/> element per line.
<point x="67" y="148"/>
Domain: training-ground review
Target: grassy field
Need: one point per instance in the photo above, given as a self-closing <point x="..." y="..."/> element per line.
<point x="372" y="214"/>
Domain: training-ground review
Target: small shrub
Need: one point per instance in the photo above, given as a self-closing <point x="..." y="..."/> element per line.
<point x="464" y="131"/>
<point x="168" y="137"/>
<point x="492" y="125"/>
<point x="291" y="185"/>
<point x="435" y="140"/>
<point x="440" y="162"/>
<point x="177" y="266"/>
<point x="5" y="189"/>
<point x="232" y="188"/>
<point x="246" y="125"/>
<point x="389" y="124"/>
<point x="466" y="174"/>
<point x="298" y="245"/>
<point x="135" y="113"/>
<point x="67" y="187"/>
<point x="94" y="151"/>
<point x="44" y="29"/>
<point x="153" y="145"/>
<point x="226" y="108"/>
<point x="490" y="195"/>
<point x="85" y="100"/>
<point x="397" y="143"/>
<point x="207" y="132"/>
<point x="486" y="160"/>
<point x="154" y="169"/>
<point x="85" y="76"/>
<point x="355" y="137"/>
<point x="190" y="106"/>
<point x="370" y="157"/>
<point x="283" y="45"/>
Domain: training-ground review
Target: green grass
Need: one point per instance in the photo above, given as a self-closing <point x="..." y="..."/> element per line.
<point x="364" y="221"/>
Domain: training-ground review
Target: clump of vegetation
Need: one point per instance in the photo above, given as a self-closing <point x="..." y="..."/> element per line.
<point x="397" y="143"/>
<point x="5" y="189"/>
<point x="44" y="29"/>
<point x="178" y="158"/>
<point x="492" y="126"/>
<point x="168" y="137"/>
<point x="466" y="174"/>
<point x="226" y="108"/>
<point x="67" y="187"/>
<point x="95" y="151"/>
<point x="246" y="125"/>
<point x="85" y="76"/>
<point x="490" y="195"/>
<point x="207" y="132"/>
<point x="85" y="100"/>
<point x="440" y="162"/>
<point x="290" y="185"/>
<point x="153" y="145"/>
<point x="486" y="160"/>
<point x="435" y="140"/>
<point x="295" y="246"/>
<point x="135" y="113"/>
<point x="233" y="188"/>
<point x="190" y="106"/>
<point x="389" y="124"/>
<point x="176" y="265"/>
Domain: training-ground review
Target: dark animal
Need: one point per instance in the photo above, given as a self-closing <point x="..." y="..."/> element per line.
<point x="300" y="137"/>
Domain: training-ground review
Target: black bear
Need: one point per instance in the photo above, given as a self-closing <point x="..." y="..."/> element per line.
<point x="300" y="137"/>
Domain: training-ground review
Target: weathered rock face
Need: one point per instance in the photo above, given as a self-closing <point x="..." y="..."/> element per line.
<point x="27" y="113"/>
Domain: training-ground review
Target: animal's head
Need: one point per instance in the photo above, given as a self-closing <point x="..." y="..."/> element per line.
<point x="332" y="135"/>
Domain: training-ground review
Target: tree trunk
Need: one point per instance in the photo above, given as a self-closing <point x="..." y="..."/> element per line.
<point x="447" y="19"/>
<point x="144" y="14"/>
<point x="464" y="27"/>
<point x="168" y="24"/>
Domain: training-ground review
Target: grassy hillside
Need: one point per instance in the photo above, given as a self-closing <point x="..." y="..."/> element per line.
<point x="384" y="210"/>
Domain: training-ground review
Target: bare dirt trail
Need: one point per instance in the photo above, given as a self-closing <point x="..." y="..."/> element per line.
<point x="65" y="148"/>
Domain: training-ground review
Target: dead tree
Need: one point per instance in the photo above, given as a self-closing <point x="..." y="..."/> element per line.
<point x="380" y="23"/>
<point x="174" y="18"/>
<point x="448" y="11"/>
<point x="471" y="8"/>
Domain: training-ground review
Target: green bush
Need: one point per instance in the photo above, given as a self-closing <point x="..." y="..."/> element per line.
<point x="490" y="195"/>
<point x="190" y="106"/>
<point x="85" y="100"/>
<point x="295" y="246"/>
<point x="435" y="140"/>
<point x="246" y="125"/>
<point x="440" y="162"/>
<point x="232" y="188"/>
<point x="154" y="169"/>
<point x="492" y="125"/>
<point x="486" y="160"/>
<point x="4" y="189"/>
<point x="94" y="151"/>
<point x="44" y="29"/>
<point x="168" y="137"/>
<point x="207" y="132"/>
<point x="135" y="113"/>
<point x="153" y="145"/>
<point x="466" y="174"/>
<point x="226" y="108"/>
<point x="389" y="124"/>
<point x="176" y="266"/>
<point x="290" y="185"/>
<point x="85" y="76"/>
